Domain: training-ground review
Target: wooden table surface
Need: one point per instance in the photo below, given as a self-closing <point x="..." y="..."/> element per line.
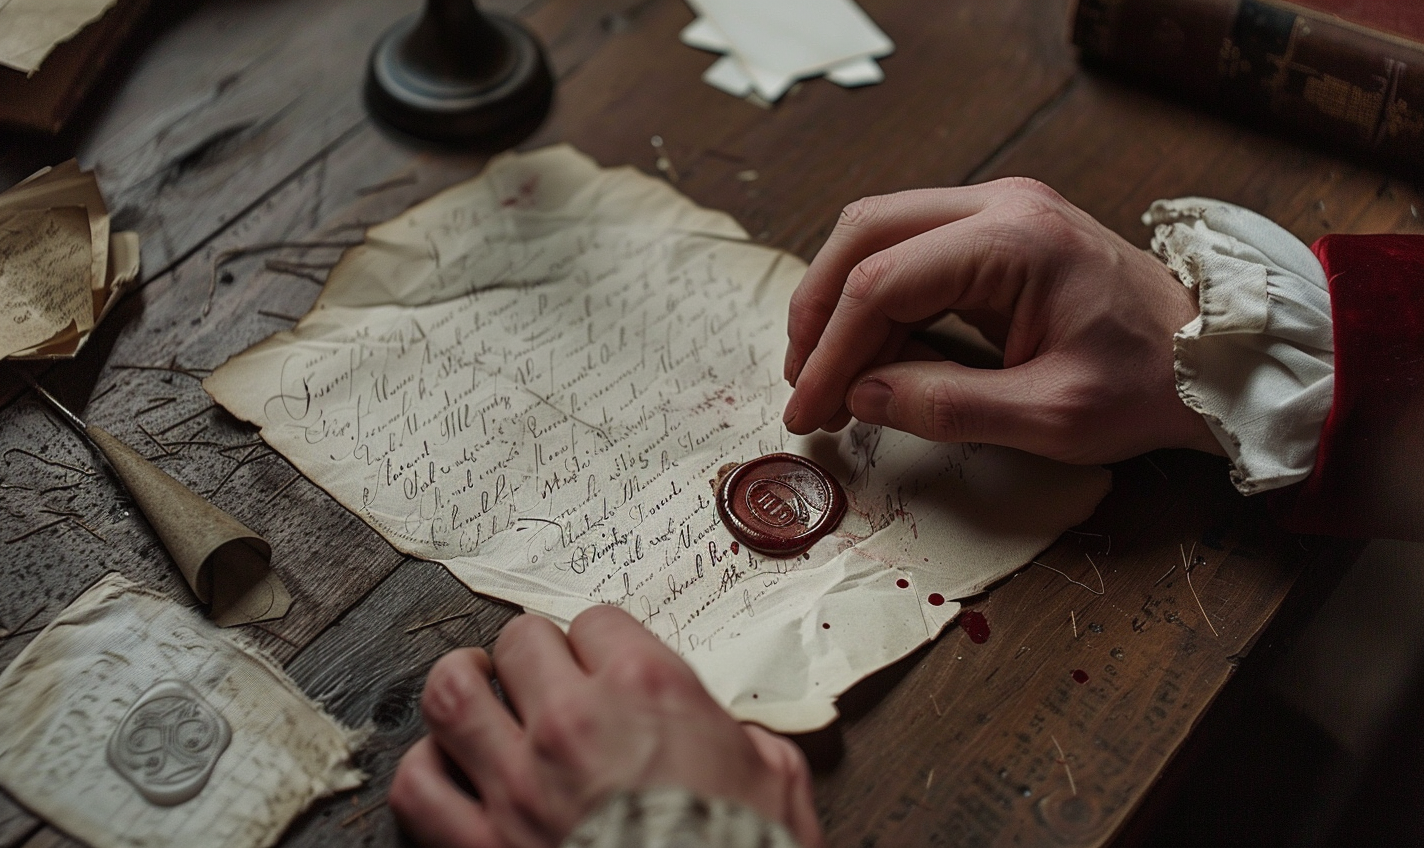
<point x="239" y="124"/>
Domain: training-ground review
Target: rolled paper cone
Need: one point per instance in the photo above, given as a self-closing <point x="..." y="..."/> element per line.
<point x="227" y="565"/>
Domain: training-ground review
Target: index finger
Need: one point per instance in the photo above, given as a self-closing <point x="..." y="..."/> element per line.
<point x="865" y="228"/>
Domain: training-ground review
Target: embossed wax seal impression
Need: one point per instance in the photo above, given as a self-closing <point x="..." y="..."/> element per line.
<point x="780" y="504"/>
<point x="168" y="743"/>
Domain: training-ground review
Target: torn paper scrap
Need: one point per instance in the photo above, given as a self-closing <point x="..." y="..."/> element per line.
<point x="772" y="45"/>
<point x="44" y="275"/>
<point x="111" y="263"/>
<point x="534" y="377"/>
<point x="130" y="720"/>
<point x="30" y="29"/>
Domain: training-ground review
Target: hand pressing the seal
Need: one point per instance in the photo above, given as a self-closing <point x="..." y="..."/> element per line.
<point x="1085" y="321"/>
<point x="606" y="708"/>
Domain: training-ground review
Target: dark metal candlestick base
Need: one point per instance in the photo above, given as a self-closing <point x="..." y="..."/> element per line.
<point x="457" y="75"/>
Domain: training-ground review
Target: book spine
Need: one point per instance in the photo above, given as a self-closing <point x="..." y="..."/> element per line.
<point x="1271" y="62"/>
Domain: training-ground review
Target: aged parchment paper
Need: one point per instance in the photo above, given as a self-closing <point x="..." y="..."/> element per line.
<point x="534" y="377"/>
<point x="113" y="704"/>
<point x="30" y="29"/>
<point x="51" y="296"/>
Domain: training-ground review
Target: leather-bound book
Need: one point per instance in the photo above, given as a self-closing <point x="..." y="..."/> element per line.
<point x="45" y="101"/>
<point x="1347" y="72"/>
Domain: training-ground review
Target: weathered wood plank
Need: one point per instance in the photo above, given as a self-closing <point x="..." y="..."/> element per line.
<point x="976" y="744"/>
<point x="369" y="668"/>
<point x="1113" y="150"/>
<point x="964" y="78"/>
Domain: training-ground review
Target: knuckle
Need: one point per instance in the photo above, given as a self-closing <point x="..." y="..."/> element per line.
<point x="948" y="416"/>
<point x="862" y="212"/>
<point x="869" y="275"/>
<point x="565" y="725"/>
<point x="1028" y="188"/>
<point x="644" y="677"/>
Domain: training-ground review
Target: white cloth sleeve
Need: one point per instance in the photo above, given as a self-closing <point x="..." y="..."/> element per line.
<point x="1258" y="362"/>
<point x="672" y="817"/>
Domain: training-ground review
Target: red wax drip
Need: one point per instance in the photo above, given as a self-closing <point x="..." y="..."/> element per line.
<point x="902" y="583"/>
<point x="1080" y="675"/>
<point x="975" y="625"/>
<point x="736" y="548"/>
<point x="936" y="599"/>
<point x="825" y="625"/>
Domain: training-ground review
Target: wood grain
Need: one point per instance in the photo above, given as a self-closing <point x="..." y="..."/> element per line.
<point x="241" y="127"/>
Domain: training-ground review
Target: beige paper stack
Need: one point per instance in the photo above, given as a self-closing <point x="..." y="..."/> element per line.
<point x="61" y="268"/>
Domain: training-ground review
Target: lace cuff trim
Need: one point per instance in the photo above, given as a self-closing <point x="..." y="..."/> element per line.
<point x="1258" y="362"/>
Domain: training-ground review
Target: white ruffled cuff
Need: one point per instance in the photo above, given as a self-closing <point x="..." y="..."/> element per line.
<point x="1258" y="362"/>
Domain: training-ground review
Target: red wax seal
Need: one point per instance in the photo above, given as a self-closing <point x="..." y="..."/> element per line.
<point x="780" y="504"/>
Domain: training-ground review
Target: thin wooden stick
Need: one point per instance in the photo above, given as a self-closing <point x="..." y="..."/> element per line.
<point x="1069" y="579"/>
<point x="1063" y="760"/>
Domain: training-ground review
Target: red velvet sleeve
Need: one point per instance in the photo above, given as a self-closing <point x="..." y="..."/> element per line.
<point x="1369" y="471"/>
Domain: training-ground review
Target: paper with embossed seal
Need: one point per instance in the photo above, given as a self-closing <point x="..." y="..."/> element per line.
<point x="131" y="720"/>
<point x="533" y="378"/>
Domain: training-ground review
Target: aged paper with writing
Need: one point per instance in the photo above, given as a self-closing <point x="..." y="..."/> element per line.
<point x="44" y="275"/>
<point x="534" y="377"/>
<point x="111" y="260"/>
<point x="130" y="720"/>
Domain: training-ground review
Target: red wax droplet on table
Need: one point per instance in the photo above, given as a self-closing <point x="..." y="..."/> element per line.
<point x="731" y="400"/>
<point x="936" y="599"/>
<point x="902" y="583"/>
<point x="825" y="625"/>
<point x="736" y="548"/>
<point x="1080" y="675"/>
<point x="975" y="625"/>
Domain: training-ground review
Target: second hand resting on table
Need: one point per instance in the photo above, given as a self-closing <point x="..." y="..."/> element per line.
<point x="1085" y="321"/>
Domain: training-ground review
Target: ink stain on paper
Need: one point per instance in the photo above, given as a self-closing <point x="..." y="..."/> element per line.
<point x="1080" y="675"/>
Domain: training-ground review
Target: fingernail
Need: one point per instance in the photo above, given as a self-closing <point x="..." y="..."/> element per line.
<point x="790" y="414"/>
<point x="445" y="697"/>
<point x="870" y="401"/>
<point x="793" y="366"/>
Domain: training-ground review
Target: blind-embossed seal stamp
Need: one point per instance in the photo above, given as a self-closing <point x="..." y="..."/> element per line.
<point x="168" y="743"/>
<point x="780" y="504"/>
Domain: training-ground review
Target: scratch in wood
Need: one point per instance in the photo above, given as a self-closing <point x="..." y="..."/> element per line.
<point x="160" y="403"/>
<point x="231" y="471"/>
<point x="281" y="266"/>
<point x="39" y="529"/>
<point x="282" y="488"/>
<point x="152" y="438"/>
<point x="361" y="813"/>
<point x="225" y="256"/>
<point x="12" y="631"/>
<point x="1070" y="579"/>
<point x="87" y="472"/>
<point x="176" y="425"/>
<point x="1190" y="559"/>
<point x="1168" y="574"/>
<point x="111" y="387"/>
<point x="929" y="781"/>
<point x="938" y="712"/>
<point x="1063" y="761"/>
<point x="405" y="179"/>
<point x="441" y="620"/>
<point x="90" y="530"/>
<point x="1072" y="617"/>
<point x="195" y="373"/>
